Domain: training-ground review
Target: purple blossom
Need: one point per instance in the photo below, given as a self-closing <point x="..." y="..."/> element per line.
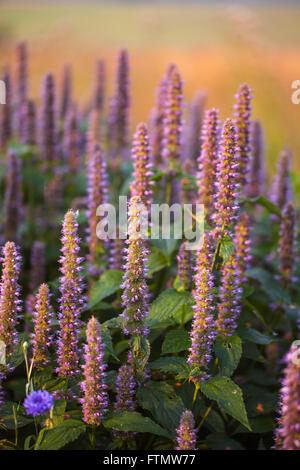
<point x="6" y="113"/>
<point x="184" y="267"/>
<point x="21" y="82"/>
<point x="287" y="436"/>
<point x="119" y="109"/>
<point x="142" y="184"/>
<point x="116" y="251"/>
<point x="93" y="134"/>
<point x="42" y="317"/>
<point x="48" y="131"/>
<point x="99" y="86"/>
<point x="194" y="127"/>
<point x="156" y="122"/>
<point x="135" y="295"/>
<point x="208" y="160"/>
<point x="95" y="397"/>
<point x="172" y="121"/>
<point x="242" y="124"/>
<point x="287" y="245"/>
<point x="38" y="403"/>
<point x="10" y="303"/>
<point x="13" y="199"/>
<point x="282" y="192"/>
<point x="72" y="140"/>
<point x="226" y="206"/>
<point x="29" y="123"/>
<point x="66" y="91"/>
<point x="186" y="433"/>
<point x="71" y="300"/>
<point x="242" y="244"/>
<point x="203" y="325"/>
<point x="257" y="177"/>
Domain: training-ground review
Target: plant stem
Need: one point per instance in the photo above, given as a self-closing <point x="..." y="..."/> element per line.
<point x="195" y="397"/>
<point x="205" y="416"/>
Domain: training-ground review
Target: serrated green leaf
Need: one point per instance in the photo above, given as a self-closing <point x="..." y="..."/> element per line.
<point x="228" y="351"/>
<point x="255" y="336"/>
<point x="176" y="341"/>
<point x="60" y="436"/>
<point x="172" y="365"/>
<point x="160" y="399"/>
<point x="135" y="422"/>
<point x="167" y="305"/>
<point x="156" y="261"/>
<point x="228" y="395"/>
<point x="107" y="285"/>
<point x="106" y="339"/>
<point x="226" y="249"/>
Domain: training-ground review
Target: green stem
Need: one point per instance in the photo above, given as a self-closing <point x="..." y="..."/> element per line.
<point x="195" y="397"/>
<point x="204" y="417"/>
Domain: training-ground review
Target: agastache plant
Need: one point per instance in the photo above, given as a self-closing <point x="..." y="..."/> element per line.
<point x="22" y="82"/>
<point x="172" y="121"/>
<point x="37" y="274"/>
<point x="242" y="244"/>
<point x="184" y="267"/>
<point x="95" y="397"/>
<point x="116" y="251"/>
<point x="156" y="122"/>
<point x="282" y="192"/>
<point x="48" y="131"/>
<point x="226" y="205"/>
<point x="242" y="116"/>
<point x="287" y="435"/>
<point x="71" y="300"/>
<point x="66" y="91"/>
<point x="135" y="290"/>
<point x="186" y="433"/>
<point x="97" y="195"/>
<point x="203" y="325"/>
<point x="119" y="108"/>
<point x="287" y="245"/>
<point x="71" y="140"/>
<point x="29" y="123"/>
<point x="6" y="113"/>
<point x="13" y="199"/>
<point x="41" y="338"/>
<point x="10" y="302"/>
<point x="99" y="86"/>
<point x="256" y="179"/>
<point x="142" y="184"/>
<point x="208" y="160"/>
<point x="194" y="127"/>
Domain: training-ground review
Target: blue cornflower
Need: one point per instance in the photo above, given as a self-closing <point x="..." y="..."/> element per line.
<point x="37" y="403"/>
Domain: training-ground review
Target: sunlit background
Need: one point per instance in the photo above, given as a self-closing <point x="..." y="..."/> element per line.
<point x="216" y="46"/>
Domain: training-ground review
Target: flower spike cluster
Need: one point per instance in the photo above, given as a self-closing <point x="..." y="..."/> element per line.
<point x="287" y="245"/>
<point x="66" y="91"/>
<point x="142" y="186"/>
<point x="22" y="81"/>
<point x="256" y="180"/>
<point x="282" y="192"/>
<point x="194" y="127"/>
<point x="203" y="326"/>
<point x="99" y="86"/>
<point x="95" y="397"/>
<point x="208" y="160"/>
<point x="10" y="303"/>
<point x="184" y="267"/>
<point x="226" y="206"/>
<point x="29" y="123"/>
<point x="242" y="123"/>
<point x="242" y="245"/>
<point x="71" y="140"/>
<point x="186" y="433"/>
<point x="135" y="295"/>
<point x="48" y="133"/>
<point x="41" y="337"/>
<point x="116" y="251"/>
<point x="173" y="119"/>
<point x="71" y="300"/>
<point x="6" y="113"/>
<point x="156" y="119"/>
<point x="287" y="435"/>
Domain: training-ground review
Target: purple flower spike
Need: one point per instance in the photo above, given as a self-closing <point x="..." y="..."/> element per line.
<point x="287" y="245"/>
<point x="22" y="82"/>
<point x="38" y="403"/>
<point x="242" y="245"/>
<point x="6" y="113"/>
<point x="208" y="160"/>
<point x="156" y="122"/>
<point x="37" y="274"/>
<point x="119" y="109"/>
<point x="184" y="267"/>
<point x="257" y="177"/>
<point x="142" y="184"/>
<point x="242" y="123"/>
<point x="72" y="140"/>
<point x="173" y="119"/>
<point x="194" y="128"/>
<point x="116" y="252"/>
<point x="97" y="195"/>
<point x="95" y="397"/>
<point x="13" y="199"/>
<point x="186" y="433"/>
<point x="48" y="133"/>
<point x="42" y="317"/>
<point x="135" y="296"/>
<point x="282" y="192"/>
<point x="226" y="206"/>
<point x="287" y="436"/>
<point x="10" y="303"/>
<point x="99" y="86"/>
<point x="93" y="134"/>
<point x="203" y="326"/>
<point x="72" y="300"/>
<point x="29" y="123"/>
<point x="66" y="91"/>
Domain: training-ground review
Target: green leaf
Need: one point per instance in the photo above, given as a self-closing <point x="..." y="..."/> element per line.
<point x="228" y="351"/>
<point x="167" y="305"/>
<point x="176" y="341"/>
<point x="255" y="336"/>
<point x="160" y="399"/>
<point x="172" y="365"/>
<point x="266" y="203"/>
<point x="106" y="338"/>
<point x="219" y="441"/>
<point x="107" y="285"/>
<point x="156" y="261"/>
<point x="58" y="437"/>
<point x="133" y="421"/>
<point x="226" y="249"/>
<point x="269" y="285"/>
<point x="17" y="356"/>
<point x="59" y="412"/>
<point x="228" y="395"/>
<point x="7" y="417"/>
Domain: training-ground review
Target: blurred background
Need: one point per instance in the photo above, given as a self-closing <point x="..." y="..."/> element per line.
<point x="216" y="45"/>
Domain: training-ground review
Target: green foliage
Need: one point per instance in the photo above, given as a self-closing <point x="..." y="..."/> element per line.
<point x="228" y="351"/>
<point x="167" y="305"/>
<point x="134" y="421"/>
<point x="58" y="437"/>
<point x="107" y="285"/>
<point x="172" y="365"/>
